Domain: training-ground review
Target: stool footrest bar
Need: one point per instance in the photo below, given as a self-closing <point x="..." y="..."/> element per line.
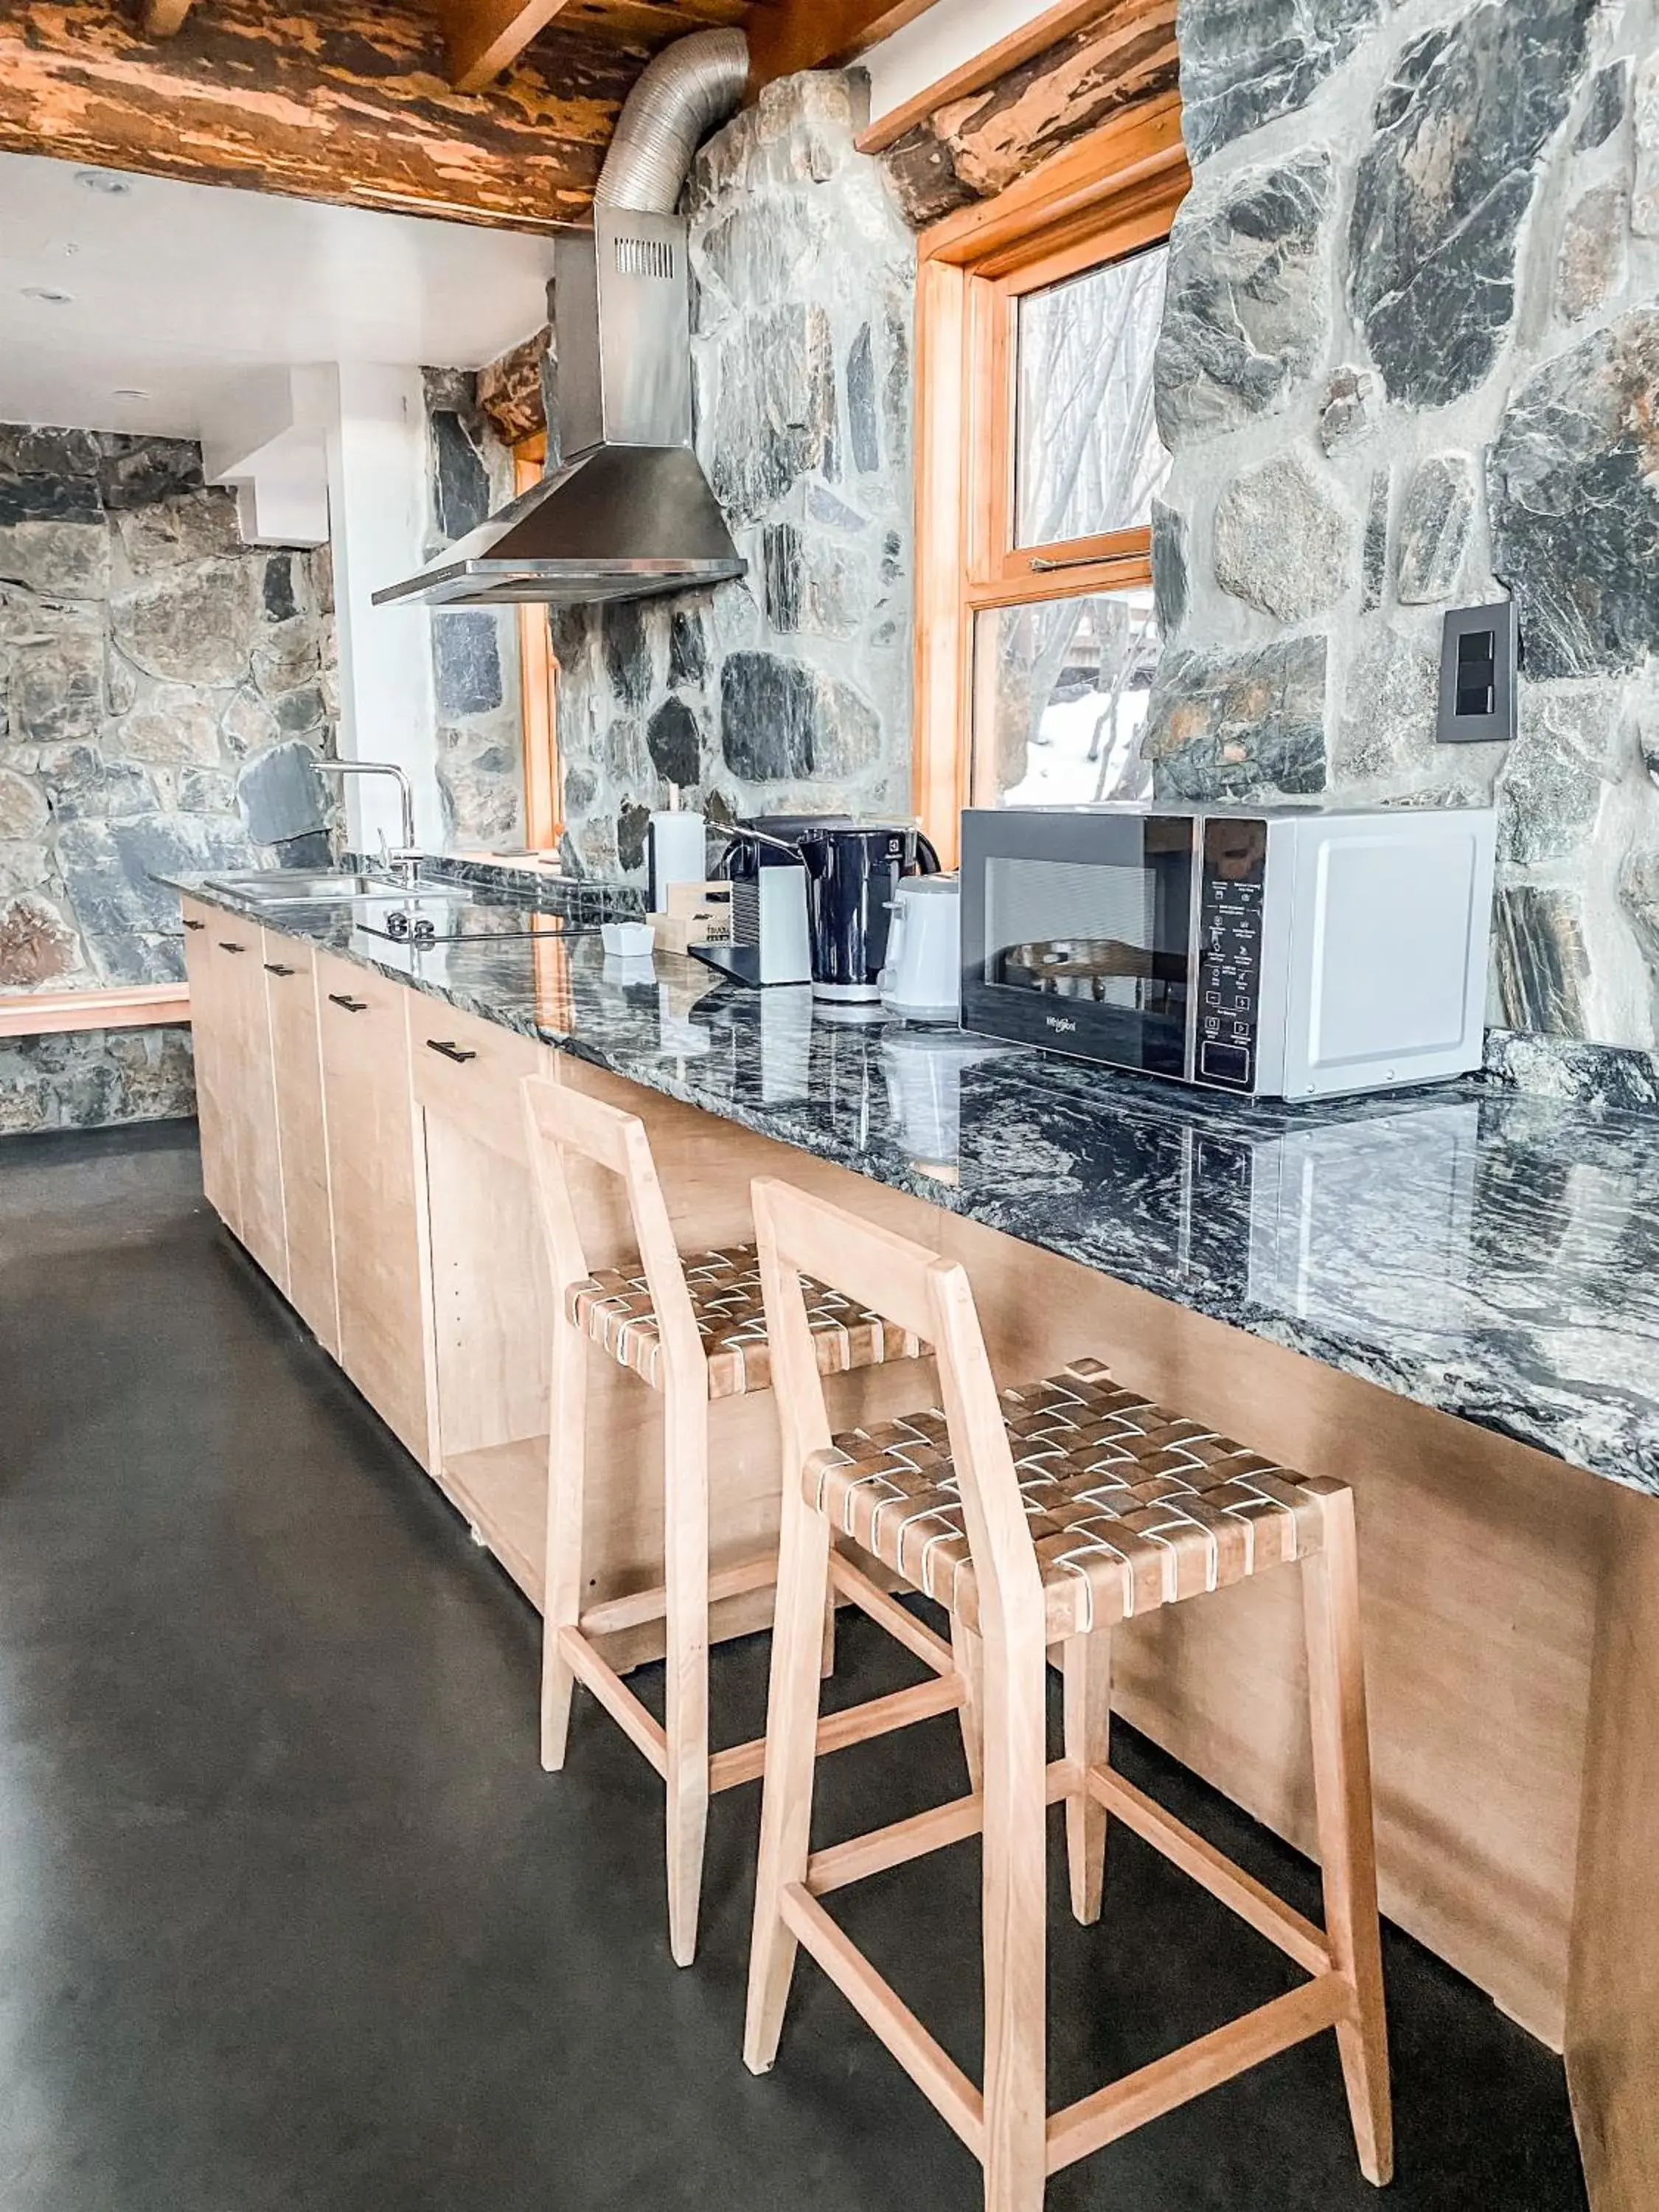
<point x="885" y="2013"/>
<point x="641" y="1607"/>
<point x="746" y="1762"/>
<point x="1125" y="2106"/>
<point x="642" y="1730"/>
<point x="887" y="1613"/>
<point x="1268" y="1915"/>
<point x="860" y="1856"/>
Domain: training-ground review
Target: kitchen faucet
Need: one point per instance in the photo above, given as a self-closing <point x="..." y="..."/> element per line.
<point x="406" y="864"/>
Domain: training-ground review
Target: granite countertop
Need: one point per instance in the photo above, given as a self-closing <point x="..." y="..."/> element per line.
<point x="1488" y="1251"/>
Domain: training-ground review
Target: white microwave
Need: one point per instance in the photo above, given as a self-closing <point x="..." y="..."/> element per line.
<point x="1278" y="952"/>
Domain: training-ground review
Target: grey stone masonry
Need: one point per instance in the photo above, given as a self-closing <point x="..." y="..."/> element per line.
<point x="474" y="654"/>
<point x="1410" y="361"/>
<point x="147" y="660"/>
<point x="792" y="688"/>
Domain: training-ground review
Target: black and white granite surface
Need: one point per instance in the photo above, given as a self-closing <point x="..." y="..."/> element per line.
<point x="1487" y="1251"/>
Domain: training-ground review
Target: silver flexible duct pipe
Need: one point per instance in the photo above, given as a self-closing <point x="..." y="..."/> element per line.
<point x="688" y="91"/>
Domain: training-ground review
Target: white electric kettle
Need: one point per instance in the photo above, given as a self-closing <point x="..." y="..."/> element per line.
<point x="922" y="980"/>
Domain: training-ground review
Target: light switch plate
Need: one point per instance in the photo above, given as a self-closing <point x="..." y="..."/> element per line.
<point x="1478" y="668"/>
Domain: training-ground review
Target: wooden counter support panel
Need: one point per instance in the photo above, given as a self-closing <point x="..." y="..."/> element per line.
<point x="244" y="1086"/>
<point x="381" y="1259"/>
<point x="1612" y="2034"/>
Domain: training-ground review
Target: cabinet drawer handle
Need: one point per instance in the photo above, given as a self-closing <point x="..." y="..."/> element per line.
<point x="450" y="1052"/>
<point x="189" y="924"/>
<point x="225" y="946"/>
<point x="351" y="1006"/>
<point x="276" y="968"/>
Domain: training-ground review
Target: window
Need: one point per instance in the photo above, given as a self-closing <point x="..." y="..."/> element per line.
<point x="1039" y="460"/>
<point x="538" y="676"/>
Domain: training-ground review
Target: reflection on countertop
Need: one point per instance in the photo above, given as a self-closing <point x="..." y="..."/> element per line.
<point x="1488" y="1251"/>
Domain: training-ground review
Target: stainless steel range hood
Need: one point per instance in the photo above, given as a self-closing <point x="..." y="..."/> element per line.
<point x="630" y="513"/>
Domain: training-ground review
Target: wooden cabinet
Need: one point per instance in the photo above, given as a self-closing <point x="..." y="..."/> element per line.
<point x="242" y="1163"/>
<point x="247" y="1090"/>
<point x="377" y="1198"/>
<point x="301" y="1133"/>
<point x="211" y="1032"/>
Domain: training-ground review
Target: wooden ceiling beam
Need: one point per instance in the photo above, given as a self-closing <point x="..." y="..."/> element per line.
<point x="786" y="35"/>
<point x="484" y="37"/>
<point x="347" y="101"/>
<point x="162" y="19"/>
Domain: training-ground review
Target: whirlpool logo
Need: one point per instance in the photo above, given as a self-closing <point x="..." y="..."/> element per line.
<point x="1059" y="1021"/>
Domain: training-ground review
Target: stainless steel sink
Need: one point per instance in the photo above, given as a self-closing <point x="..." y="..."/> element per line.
<point x="300" y="887"/>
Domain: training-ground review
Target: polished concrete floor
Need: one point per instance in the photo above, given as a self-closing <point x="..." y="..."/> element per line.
<point x="289" y="1917"/>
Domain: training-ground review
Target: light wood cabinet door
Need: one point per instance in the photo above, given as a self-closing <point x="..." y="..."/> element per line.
<point x="381" y="1268"/>
<point x="248" y="1087"/>
<point x="215" y="1054"/>
<point x="301" y="1133"/>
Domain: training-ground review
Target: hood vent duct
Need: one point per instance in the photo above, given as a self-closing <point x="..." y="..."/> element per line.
<point x="630" y="512"/>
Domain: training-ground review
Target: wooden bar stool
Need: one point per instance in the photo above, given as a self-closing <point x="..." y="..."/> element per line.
<point x="694" y="1330"/>
<point x="1042" y="1517"/>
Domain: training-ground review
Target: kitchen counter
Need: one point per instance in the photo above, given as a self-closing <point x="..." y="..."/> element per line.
<point x="1491" y="1254"/>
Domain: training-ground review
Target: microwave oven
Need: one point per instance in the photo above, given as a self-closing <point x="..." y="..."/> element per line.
<point x="1276" y="952"/>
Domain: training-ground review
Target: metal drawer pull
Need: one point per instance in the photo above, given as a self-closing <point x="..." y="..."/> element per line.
<point x="451" y="1052"/>
<point x="351" y="1006"/>
<point x="276" y="968"/>
<point x="225" y="946"/>
<point x="189" y="924"/>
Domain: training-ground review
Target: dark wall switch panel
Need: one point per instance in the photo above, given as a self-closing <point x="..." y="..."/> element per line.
<point x="1478" y="666"/>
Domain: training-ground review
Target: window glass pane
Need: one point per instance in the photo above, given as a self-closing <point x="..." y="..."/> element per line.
<point x="1087" y="455"/>
<point x="1061" y="692"/>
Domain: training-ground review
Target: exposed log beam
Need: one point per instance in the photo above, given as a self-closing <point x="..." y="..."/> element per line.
<point x="484" y="37"/>
<point x="162" y="18"/>
<point x="787" y="36"/>
<point x="346" y="101"/>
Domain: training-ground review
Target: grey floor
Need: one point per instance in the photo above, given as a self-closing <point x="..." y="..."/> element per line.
<point x="289" y="1917"/>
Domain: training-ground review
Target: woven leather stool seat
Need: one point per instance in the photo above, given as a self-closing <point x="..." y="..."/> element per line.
<point x="613" y="1306"/>
<point x="1130" y="1507"/>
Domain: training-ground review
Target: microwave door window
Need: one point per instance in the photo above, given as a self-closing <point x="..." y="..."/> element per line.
<point x="1111" y="939"/>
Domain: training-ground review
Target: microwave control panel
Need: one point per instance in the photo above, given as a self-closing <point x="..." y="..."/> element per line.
<point x="1233" y="882"/>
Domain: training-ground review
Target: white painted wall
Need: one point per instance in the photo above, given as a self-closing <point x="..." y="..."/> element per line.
<point x="950" y="33"/>
<point x="377" y="491"/>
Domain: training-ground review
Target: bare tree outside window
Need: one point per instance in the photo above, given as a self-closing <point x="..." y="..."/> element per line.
<point x="1061" y="684"/>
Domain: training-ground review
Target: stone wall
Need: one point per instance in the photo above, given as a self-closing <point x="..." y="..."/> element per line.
<point x="475" y="650"/>
<point x="148" y="661"/>
<point x="1411" y="360"/>
<point x="791" y="689"/>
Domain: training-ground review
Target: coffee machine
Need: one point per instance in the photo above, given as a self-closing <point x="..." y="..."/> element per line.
<point x="811" y="896"/>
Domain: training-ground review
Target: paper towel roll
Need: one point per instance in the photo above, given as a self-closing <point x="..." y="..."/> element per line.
<point x="678" y="854"/>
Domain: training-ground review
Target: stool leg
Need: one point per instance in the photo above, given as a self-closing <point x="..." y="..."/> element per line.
<point x="562" y="1594"/>
<point x="1016" y="1927"/>
<point x="970" y="1665"/>
<point x="792" y="1723"/>
<point x="1087" y="1665"/>
<point x="685" y="1460"/>
<point x="1348" y="1848"/>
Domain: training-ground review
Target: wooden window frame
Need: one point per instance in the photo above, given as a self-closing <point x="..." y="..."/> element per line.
<point x="539" y="686"/>
<point x="1113" y="194"/>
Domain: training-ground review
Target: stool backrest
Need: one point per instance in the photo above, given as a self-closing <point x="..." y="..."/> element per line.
<point x="559" y="1122"/>
<point x="798" y="1234"/>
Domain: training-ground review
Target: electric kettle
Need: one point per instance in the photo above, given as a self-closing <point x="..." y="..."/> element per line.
<point x="854" y="870"/>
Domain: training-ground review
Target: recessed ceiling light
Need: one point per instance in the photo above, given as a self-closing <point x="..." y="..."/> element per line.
<point x="100" y="181"/>
<point x="44" y="293"/>
<point x="128" y="392"/>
